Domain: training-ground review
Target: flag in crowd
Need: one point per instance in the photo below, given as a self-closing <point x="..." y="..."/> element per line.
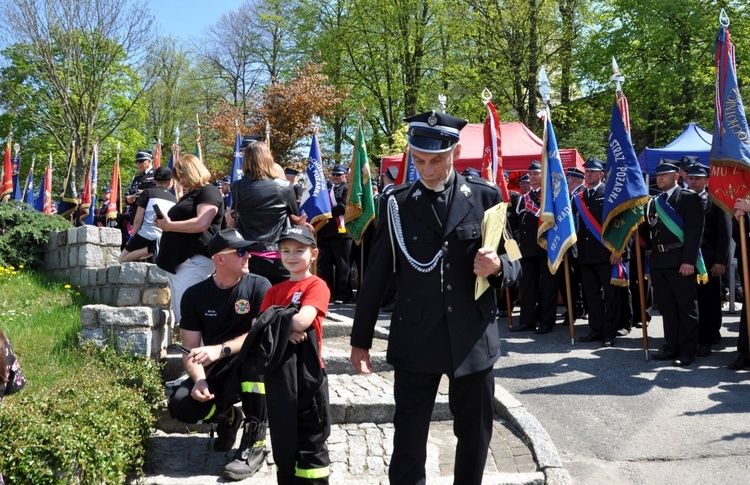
<point x="157" y="153"/>
<point x="6" y="189"/>
<point x="492" y="155"/>
<point x="556" y="232"/>
<point x="69" y="197"/>
<point x="45" y="190"/>
<point x="28" y="194"/>
<point x="360" y="206"/>
<point x="407" y="172"/>
<point x="15" y="164"/>
<point x="88" y="198"/>
<point x="730" y="149"/>
<point x="625" y="192"/>
<point x="316" y="202"/>
<point x="173" y="157"/>
<point x="114" y="194"/>
<point x="236" y="172"/>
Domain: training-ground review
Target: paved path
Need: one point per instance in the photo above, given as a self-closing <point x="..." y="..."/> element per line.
<point x="361" y="440"/>
<point x="615" y="418"/>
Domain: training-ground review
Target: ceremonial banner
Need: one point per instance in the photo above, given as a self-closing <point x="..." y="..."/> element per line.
<point x="360" y="206"/>
<point x="407" y="172"/>
<point x="6" y="189"/>
<point x="69" y="198"/>
<point x="236" y="172"/>
<point x="492" y="156"/>
<point x="88" y="198"/>
<point x="556" y="231"/>
<point x="316" y="202"/>
<point x="44" y="202"/>
<point x="157" y="155"/>
<point x="15" y="164"/>
<point x="625" y="192"/>
<point x="114" y="195"/>
<point x="730" y="150"/>
<point x="28" y="195"/>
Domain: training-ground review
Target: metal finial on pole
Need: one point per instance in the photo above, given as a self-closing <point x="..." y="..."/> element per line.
<point x="16" y="149"/>
<point x="486" y="95"/>
<point x="119" y="146"/>
<point x="316" y="122"/>
<point x="617" y="78"/>
<point x="544" y="90"/>
<point x="158" y="140"/>
<point x="724" y="18"/>
<point x="177" y="135"/>
<point x="442" y="100"/>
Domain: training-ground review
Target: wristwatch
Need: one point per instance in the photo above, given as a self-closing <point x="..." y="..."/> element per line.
<point x="226" y="351"/>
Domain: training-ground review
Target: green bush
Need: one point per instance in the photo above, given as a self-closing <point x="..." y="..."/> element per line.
<point x="24" y="232"/>
<point x="91" y="427"/>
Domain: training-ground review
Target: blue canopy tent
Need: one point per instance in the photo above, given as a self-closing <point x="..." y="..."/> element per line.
<point x="693" y="141"/>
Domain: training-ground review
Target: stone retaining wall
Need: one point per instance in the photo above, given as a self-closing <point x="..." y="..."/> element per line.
<point x="133" y="299"/>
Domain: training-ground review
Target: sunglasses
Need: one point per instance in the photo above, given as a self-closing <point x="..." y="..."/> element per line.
<point x="241" y="252"/>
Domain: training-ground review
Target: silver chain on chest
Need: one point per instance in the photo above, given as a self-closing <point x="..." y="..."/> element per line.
<point x="394" y="220"/>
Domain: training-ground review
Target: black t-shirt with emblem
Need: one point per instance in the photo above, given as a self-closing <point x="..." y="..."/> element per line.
<point x="221" y="315"/>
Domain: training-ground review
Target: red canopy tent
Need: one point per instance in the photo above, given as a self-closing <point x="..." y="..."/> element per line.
<point x="520" y="146"/>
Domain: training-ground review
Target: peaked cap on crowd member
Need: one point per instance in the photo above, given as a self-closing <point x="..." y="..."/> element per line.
<point x="249" y="140"/>
<point x="471" y="172"/>
<point x="142" y="155"/>
<point x="536" y="166"/>
<point x="391" y="173"/>
<point x="687" y="161"/>
<point x="574" y="172"/>
<point x="524" y="178"/>
<point x="291" y="171"/>
<point x="698" y="170"/>
<point x="594" y="164"/>
<point x="339" y="170"/>
<point x="434" y="132"/>
<point x="666" y="166"/>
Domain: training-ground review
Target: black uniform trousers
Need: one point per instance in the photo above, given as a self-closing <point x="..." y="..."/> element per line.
<point x="604" y="299"/>
<point x="576" y="289"/>
<point x="709" y="310"/>
<point x="676" y="297"/>
<point x="742" y="343"/>
<point x="333" y="266"/>
<point x="222" y="384"/>
<point x="635" y="297"/>
<point x="299" y="450"/>
<point x="538" y="287"/>
<point x="470" y="401"/>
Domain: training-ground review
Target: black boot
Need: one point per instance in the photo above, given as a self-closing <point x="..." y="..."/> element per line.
<point x="228" y="423"/>
<point x="251" y="453"/>
<point x="742" y="361"/>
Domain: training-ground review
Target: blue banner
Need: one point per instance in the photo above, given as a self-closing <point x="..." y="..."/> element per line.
<point x="556" y="230"/>
<point x="28" y="195"/>
<point x="15" y="163"/>
<point x="316" y="203"/>
<point x="730" y="150"/>
<point x="39" y="202"/>
<point x="625" y="192"/>
<point x="411" y="171"/>
<point x="236" y="172"/>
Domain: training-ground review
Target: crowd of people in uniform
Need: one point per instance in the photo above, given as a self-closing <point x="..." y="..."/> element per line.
<point x="420" y="262"/>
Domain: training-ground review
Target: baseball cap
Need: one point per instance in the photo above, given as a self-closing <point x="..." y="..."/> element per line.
<point x="301" y="234"/>
<point x="227" y="238"/>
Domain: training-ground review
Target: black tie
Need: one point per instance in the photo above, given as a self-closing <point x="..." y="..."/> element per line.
<point x="441" y="206"/>
<point x="591" y="193"/>
<point x="665" y="196"/>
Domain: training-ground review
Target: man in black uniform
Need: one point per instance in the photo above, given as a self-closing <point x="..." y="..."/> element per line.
<point x="673" y="235"/>
<point x="336" y="247"/>
<point x="742" y="209"/>
<point x="217" y="314"/>
<point x="438" y="327"/>
<point x="595" y="260"/>
<point x="538" y="285"/>
<point x="717" y="232"/>
<point x="144" y="179"/>
<point x="574" y="177"/>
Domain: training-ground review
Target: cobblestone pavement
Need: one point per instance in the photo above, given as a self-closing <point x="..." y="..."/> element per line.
<point x="361" y="440"/>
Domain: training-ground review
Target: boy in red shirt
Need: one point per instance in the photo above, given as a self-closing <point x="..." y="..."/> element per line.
<point x="298" y="250"/>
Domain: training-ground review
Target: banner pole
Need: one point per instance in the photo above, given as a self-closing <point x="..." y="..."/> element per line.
<point x="745" y="275"/>
<point x="569" y="302"/>
<point x="642" y="292"/>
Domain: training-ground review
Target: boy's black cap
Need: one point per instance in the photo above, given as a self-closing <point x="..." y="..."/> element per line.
<point x="227" y="238"/>
<point x="301" y="234"/>
<point x="163" y="174"/>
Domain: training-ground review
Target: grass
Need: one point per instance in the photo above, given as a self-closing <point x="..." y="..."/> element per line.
<point x="41" y="317"/>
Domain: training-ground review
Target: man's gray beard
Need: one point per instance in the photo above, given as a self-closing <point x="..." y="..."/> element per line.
<point x="441" y="186"/>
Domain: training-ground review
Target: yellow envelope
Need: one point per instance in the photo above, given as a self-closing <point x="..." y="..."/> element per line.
<point x="493" y="228"/>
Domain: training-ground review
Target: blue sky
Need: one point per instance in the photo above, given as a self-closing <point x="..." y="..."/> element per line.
<point x="186" y="18"/>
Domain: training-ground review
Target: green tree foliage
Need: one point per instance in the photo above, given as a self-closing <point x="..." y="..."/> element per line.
<point x="73" y="68"/>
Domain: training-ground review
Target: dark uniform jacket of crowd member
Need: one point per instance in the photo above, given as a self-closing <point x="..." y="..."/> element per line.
<point x="330" y="229"/>
<point x="514" y="219"/>
<point x="666" y="249"/>
<point x="590" y="250"/>
<point x="528" y="226"/>
<point x="717" y="233"/>
<point x="437" y="325"/>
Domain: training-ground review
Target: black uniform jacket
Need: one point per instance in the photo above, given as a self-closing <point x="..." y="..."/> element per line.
<point x="658" y="238"/>
<point x="329" y="229"/>
<point x="528" y="227"/>
<point x="437" y="326"/>
<point x="590" y="250"/>
<point x="717" y="233"/>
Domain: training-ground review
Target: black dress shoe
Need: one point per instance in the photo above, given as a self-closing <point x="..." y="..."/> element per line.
<point x="545" y="329"/>
<point x="522" y="328"/>
<point x="623" y="332"/>
<point x="683" y="361"/>
<point x="703" y="351"/>
<point x="608" y="342"/>
<point x="742" y="361"/>
<point x="663" y="355"/>
<point x="591" y="337"/>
